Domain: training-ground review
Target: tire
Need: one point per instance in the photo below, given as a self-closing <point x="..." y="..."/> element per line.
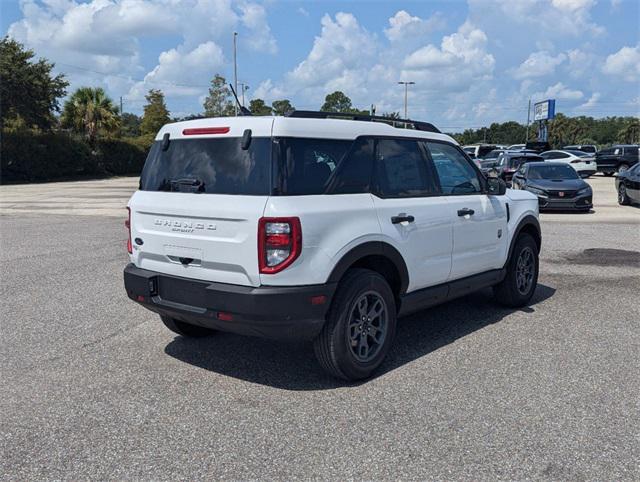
<point x="348" y="347"/>
<point x="513" y="291"/>
<point x="622" y="168"/>
<point x="186" y="329"/>
<point x="623" y="197"/>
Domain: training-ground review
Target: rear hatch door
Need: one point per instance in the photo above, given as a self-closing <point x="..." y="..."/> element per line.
<point x="196" y="213"/>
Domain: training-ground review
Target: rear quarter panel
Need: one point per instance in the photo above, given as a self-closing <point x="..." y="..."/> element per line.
<point x="331" y="226"/>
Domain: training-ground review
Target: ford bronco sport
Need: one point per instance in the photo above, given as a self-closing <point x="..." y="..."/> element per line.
<point x="317" y="228"/>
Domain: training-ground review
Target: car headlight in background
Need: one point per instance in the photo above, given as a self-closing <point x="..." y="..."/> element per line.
<point x="584" y="190"/>
<point x="536" y="190"/>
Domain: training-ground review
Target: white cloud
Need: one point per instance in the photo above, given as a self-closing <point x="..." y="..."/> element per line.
<point x="580" y="62"/>
<point x="303" y="12"/>
<point x="624" y="64"/>
<point x="592" y="102"/>
<point x="461" y="59"/>
<point x="559" y="91"/>
<point x="403" y="26"/>
<point x="343" y="46"/>
<point x="572" y="5"/>
<point x="254" y="17"/>
<point x="179" y="68"/>
<point x="538" y="64"/>
<point x="556" y="18"/>
<point x="98" y="42"/>
<point x="347" y="57"/>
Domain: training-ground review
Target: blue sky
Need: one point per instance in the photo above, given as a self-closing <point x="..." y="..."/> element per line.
<point x="474" y="62"/>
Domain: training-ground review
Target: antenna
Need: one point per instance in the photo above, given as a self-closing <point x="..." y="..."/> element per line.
<point x="242" y="109"/>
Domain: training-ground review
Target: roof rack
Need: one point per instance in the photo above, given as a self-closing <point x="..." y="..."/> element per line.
<point x="400" y="123"/>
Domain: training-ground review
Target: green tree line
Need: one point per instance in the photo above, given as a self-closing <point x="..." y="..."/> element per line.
<point x="563" y="130"/>
<point x="88" y="135"/>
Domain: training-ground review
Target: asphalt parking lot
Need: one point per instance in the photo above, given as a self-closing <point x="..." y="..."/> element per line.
<point x="94" y="387"/>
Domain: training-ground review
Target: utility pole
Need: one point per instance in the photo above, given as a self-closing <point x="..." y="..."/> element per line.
<point x="120" y="105"/>
<point x="235" y="68"/>
<point x="528" y="119"/>
<point x="243" y="87"/>
<point x="406" y="87"/>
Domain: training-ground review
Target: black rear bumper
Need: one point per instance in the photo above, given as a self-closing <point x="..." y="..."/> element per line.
<point x="292" y="312"/>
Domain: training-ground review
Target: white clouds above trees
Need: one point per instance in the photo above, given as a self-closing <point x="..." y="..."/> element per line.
<point x="624" y="64"/>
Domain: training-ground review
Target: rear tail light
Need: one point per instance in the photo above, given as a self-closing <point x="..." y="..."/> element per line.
<point x="127" y="224"/>
<point x="279" y="243"/>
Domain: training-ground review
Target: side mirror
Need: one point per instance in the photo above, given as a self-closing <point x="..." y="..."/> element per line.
<point x="496" y="186"/>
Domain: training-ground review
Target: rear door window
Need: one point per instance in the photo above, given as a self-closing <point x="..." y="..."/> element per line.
<point x="305" y="165"/>
<point x="212" y="166"/>
<point x="402" y="170"/>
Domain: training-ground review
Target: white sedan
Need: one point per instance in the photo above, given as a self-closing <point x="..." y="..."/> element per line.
<point x="583" y="162"/>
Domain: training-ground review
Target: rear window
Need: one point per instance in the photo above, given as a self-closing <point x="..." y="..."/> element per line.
<point x="516" y="162"/>
<point x="213" y="166"/>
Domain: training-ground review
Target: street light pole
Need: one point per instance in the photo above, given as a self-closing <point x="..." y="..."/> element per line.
<point x="406" y="88"/>
<point x="243" y="87"/>
<point x="235" y="68"/>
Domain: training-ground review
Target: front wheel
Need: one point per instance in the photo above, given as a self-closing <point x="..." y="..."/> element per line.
<point x="360" y="326"/>
<point x="521" y="278"/>
<point x="623" y="197"/>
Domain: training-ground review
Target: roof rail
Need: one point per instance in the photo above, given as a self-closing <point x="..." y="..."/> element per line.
<point x="400" y="123"/>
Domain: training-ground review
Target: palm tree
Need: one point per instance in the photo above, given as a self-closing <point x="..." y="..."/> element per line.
<point x="90" y="111"/>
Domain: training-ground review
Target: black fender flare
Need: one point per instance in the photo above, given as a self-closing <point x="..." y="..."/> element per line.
<point x="378" y="248"/>
<point x="525" y="222"/>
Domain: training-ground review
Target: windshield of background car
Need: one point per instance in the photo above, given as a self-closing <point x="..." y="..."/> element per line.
<point x="560" y="171"/>
<point x="493" y="154"/>
<point x="212" y="166"/>
<point x="516" y="162"/>
<point x="470" y="150"/>
<point x="579" y="153"/>
<point x="484" y="150"/>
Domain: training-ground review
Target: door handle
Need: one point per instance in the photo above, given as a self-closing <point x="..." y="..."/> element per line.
<point x="402" y="217"/>
<point x="465" y="211"/>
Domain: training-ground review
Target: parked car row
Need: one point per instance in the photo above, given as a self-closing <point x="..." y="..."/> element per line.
<point x="585" y="159"/>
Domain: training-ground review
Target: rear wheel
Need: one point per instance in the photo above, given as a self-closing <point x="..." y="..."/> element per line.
<point x="521" y="278"/>
<point x="185" y="329"/>
<point x="360" y="326"/>
<point x="623" y="197"/>
<point x="622" y="168"/>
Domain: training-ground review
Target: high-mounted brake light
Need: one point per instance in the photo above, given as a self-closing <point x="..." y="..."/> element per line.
<point x="127" y="224"/>
<point x="279" y="243"/>
<point x="196" y="131"/>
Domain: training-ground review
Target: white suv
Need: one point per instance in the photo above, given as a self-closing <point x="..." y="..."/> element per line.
<point x="306" y="227"/>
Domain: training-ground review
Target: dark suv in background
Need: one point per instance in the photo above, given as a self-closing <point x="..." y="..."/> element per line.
<point x="507" y="163"/>
<point x="617" y="158"/>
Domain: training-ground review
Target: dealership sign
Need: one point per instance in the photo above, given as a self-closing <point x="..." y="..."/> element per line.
<point x="544" y="110"/>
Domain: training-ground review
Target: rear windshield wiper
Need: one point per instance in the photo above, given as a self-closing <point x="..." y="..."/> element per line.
<point x="186" y="185"/>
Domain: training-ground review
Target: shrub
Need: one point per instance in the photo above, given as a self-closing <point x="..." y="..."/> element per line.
<point x="119" y="157"/>
<point x="33" y="156"/>
<point x="28" y="156"/>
